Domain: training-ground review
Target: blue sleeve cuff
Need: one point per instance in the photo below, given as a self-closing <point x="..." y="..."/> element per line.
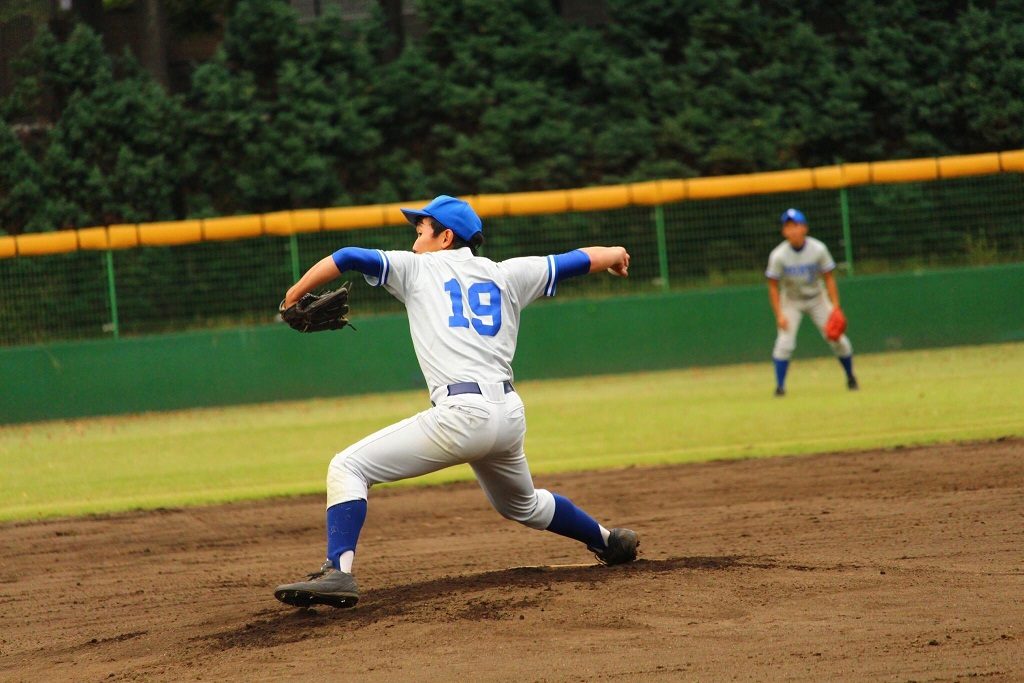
<point x="366" y="261"/>
<point x="564" y="266"/>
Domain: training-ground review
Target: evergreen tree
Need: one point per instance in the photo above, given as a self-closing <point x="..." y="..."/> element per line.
<point x="983" y="82"/>
<point x="21" y="195"/>
<point x="280" y="117"/>
<point x="57" y="71"/>
<point x="114" y="155"/>
<point x="505" y="95"/>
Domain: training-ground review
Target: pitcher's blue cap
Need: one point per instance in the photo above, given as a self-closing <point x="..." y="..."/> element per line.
<point x="452" y="213"/>
<point x="792" y="215"/>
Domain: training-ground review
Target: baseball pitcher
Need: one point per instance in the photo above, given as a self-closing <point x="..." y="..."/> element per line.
<point x="464" y="313"/>
<point x="800" y="280"/>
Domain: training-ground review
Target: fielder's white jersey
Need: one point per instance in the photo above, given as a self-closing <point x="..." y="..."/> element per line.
<point x="799" y="272"/>
<point x="464" y="310"/>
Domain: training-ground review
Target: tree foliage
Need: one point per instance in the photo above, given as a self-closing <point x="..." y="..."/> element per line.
<point x="503" y="95"/>
<point x="20" y="191"/>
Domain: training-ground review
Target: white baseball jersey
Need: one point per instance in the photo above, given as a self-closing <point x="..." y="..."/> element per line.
<point x="464" y="318"/>
<point x="799" y="272"/>
<point x="464" y="310"/>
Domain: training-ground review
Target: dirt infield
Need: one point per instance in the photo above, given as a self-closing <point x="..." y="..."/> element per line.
<point x="897" y="565"/>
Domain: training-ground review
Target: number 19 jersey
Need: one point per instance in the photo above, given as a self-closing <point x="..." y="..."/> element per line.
<point x="464" y="310"/>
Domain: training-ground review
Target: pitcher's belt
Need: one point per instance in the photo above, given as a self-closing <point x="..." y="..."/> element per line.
<point x="474" y="388"/>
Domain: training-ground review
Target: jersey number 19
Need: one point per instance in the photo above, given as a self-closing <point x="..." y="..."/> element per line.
<point x="484" y="302"/>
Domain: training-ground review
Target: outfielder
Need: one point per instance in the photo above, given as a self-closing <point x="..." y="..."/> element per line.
<point x="464" y="315"/>
<point x="801" y="267"/>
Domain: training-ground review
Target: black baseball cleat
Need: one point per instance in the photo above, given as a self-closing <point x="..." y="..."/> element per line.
<point x="622" y="545"/>
<point x="325" y="587"/>
<point x="851" y="383"/>
<point x="779" y="391"/>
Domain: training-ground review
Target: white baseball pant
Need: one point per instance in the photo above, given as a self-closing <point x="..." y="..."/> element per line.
<point x="819" y="309"/>
<point x="486" y="430"/>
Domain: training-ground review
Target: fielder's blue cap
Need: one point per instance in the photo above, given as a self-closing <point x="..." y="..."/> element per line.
<point x="792" y="215"/>
<point x="452" y="213"/>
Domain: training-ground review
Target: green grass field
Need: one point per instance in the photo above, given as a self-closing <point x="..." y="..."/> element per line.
<point x="213" y="455"/>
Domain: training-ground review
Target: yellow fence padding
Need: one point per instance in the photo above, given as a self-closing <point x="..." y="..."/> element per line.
<point x="654" y="192"/>
<point x="716" y="188"/>
<point x="856" y="174"/>
<point x="93" y="238"/>
<point x="307" y="220"/>
<point x="781" y="181"/>
<point x="278" y="223"/>
<point x="532" y="203"/>
<point x="648" y="193"/>
<point x="950" y="167"/>
<point x="598" y="198"/>
<point x="391" y="214"/>
<point x="1009" y="162"/>
<point x="905" y="171"/>
<point x="170" y="232"/>
<point x="352" y="217"/>
<point x="293" y="222"/>
<point x="123" y="235"/>
<point x="828" y="177"/>
<point x="232" y="227"/>
<point x="342" y="218"/>
<point x="487" y="205"/>
<point x="39" y="243"/>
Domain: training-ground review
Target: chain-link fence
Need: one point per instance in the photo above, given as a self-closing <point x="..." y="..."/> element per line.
<point x="874" y="228"/>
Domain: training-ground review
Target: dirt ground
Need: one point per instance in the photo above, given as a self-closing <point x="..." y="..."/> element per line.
<point x="901" y="565"/>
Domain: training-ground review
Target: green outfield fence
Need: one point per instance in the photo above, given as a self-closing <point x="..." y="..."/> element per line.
<point x="86" y="292"/>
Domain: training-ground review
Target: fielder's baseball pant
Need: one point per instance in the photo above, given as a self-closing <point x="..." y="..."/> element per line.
<point x="485" y="430"/>
<point x="819" y="309"/>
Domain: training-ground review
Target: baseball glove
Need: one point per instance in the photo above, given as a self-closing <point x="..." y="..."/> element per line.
<point x="835" y="325"/>
<point x="317" y="313"/>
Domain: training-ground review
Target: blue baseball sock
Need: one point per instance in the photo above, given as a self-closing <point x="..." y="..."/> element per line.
<point x="781" y="366"/>
<point x="573" y="522"/>
<point x="847" y="364"/>
<point x="344" y="522"/>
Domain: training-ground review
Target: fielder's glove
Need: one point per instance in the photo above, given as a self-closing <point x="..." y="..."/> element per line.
<point x="316" y="313"/>
<point x="835" y="325"/>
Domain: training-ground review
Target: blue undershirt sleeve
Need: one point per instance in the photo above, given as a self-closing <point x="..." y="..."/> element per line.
<point x="571" y="264"/>
<point x="564" y="266"/>
<point x="366" y="261"/>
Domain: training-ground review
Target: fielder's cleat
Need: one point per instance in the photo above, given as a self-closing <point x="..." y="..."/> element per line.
<point x="851" y="383"/>
<point x="779" y="391"/>
<point x="622" y="545"/>
<point x="325" y="587"/>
